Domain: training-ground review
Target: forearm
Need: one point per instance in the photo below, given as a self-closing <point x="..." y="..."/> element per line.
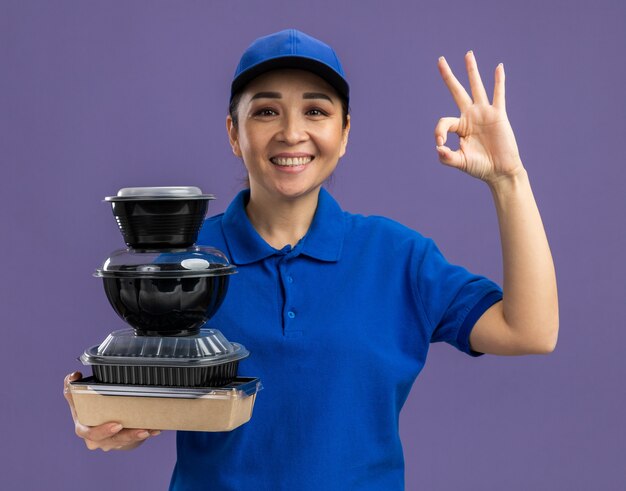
<point x="530" y="303"/>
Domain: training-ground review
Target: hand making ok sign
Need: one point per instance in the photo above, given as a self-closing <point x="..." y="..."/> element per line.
<point x="488" y="149"/>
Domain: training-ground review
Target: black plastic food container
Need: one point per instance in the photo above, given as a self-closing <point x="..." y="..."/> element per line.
<point x="206" y="359"/>
<point x="166" y="306"/>
<point x="215" y="376"/>
<point x="168" y="293"/>
<point x="160" y="217"/>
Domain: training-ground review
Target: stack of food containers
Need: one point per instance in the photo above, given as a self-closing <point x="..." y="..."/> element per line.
<point x="166" y="372"/>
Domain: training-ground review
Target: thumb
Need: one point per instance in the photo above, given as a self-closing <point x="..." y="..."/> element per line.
<point x="67" y="393"/>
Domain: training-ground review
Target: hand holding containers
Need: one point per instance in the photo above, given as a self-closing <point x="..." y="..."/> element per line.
<point x="165" y="288"/>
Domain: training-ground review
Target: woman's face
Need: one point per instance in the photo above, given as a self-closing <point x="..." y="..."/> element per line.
<point x="290" y="133"/>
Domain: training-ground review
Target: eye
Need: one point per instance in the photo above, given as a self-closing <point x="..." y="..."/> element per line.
<point x="265" y="112"/>
<point x="316" y="111"/>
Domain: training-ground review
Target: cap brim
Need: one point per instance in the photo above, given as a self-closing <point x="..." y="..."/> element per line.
<point x="296" y="62"/>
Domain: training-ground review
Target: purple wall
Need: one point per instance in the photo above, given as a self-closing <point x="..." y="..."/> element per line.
<point x="95" y="96"/>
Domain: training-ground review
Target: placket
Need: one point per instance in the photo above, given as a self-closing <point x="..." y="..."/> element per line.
<point x="291" y="325"/>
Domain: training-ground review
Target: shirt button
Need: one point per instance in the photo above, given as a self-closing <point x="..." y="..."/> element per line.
<point x="289" y="279"/>
<point x="291" y="314"/>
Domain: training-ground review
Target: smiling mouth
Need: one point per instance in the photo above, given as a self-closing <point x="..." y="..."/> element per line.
<point x="291" y="162"/>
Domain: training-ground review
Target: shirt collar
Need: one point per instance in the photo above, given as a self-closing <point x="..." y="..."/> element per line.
<point x="323" y="241"/>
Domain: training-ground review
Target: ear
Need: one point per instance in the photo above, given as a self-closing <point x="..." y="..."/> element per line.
<point x="233" y="136"/>
<point x="344" y="138"/>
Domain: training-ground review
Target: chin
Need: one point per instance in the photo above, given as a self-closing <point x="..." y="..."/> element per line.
<point x="296" y="191"/>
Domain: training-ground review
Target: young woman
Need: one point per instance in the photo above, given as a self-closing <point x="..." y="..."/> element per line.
<point x="337" y="309"/>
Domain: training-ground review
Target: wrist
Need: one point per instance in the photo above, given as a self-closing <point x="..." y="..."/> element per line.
<point x="509" y="182"/>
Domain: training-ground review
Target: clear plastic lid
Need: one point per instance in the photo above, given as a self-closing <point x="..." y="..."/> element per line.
<point x="191" y="262"/>
<point x="159" y="192"/>
<point x="207" y="348"/>
<point x="239" y="388"/>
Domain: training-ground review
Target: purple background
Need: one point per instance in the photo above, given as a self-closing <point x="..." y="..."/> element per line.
<point x="95" y="96"/>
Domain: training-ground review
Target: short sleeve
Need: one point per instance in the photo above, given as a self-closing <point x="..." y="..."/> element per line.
<point x="452" y="297"/>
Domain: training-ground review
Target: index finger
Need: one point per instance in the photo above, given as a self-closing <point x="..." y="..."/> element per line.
<point x="461" y="97"/>
<point x="98" y="433"/>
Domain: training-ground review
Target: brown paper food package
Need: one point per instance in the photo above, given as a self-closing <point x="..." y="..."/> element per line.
<point x="205" y="413"/>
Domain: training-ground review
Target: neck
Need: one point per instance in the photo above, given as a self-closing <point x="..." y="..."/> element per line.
<point x="281" y="222"/>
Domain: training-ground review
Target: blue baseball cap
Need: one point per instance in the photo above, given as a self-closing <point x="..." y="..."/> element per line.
<point x="290" y="49"/>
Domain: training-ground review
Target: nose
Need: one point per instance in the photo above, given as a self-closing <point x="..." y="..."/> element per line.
<point x="293" y="130"/>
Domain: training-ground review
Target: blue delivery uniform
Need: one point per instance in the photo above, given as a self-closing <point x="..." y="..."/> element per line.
<point x="338" y="327"/>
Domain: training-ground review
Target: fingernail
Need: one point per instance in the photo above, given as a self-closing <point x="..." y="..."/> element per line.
<point x="155" y="432"/>
<point x="439" y="141"/>
<point x="143" y="434"/>
<point x="74" y="374"/>
<point x="115" y="428"/>
<point x="470" y="52"/>
<point x="440" y="58"/>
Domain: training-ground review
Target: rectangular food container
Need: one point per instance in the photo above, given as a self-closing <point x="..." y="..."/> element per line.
<point x="205" y="359"/>
<point x="165" y="408"/>
<point x="194" y="376"/>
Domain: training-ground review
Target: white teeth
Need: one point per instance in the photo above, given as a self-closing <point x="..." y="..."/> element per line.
<point x="291" y="162"/>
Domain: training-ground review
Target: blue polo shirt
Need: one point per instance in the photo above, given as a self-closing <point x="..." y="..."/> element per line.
<point x="338" y="327"/>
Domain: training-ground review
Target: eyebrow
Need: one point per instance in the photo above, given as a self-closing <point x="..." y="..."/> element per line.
<point x="316" y="95"/>
<point x="267" y="95"/>
<point x="278" y="95"/>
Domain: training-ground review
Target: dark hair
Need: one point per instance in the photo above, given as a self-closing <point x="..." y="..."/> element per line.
<point x="234" y="102"/>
